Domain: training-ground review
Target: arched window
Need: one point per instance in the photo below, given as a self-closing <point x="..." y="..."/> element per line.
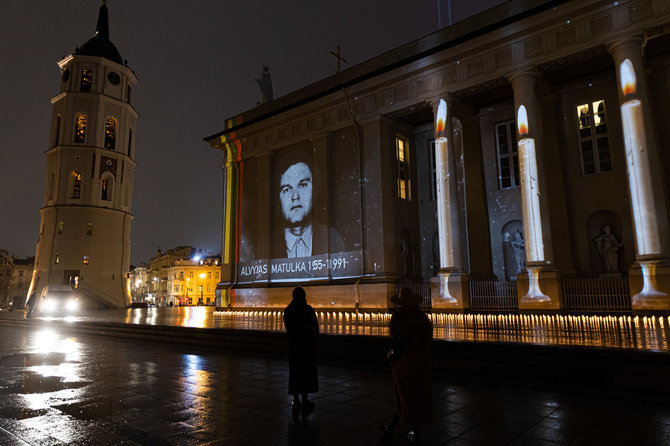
<point x="76" y="184"/>
<point x="106" y="188"/>
<point x="80" y="128"/>
<point x="110" y="134"/>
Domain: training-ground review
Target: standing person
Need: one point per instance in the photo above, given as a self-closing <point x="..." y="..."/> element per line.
<point x="412" y="369"/>
<point x="302" y="328"/>
<point x="30" y="304"/>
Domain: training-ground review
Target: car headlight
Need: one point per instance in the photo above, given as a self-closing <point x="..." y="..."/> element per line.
<point x="72" y="305"/>
<point x="50" y="305"/>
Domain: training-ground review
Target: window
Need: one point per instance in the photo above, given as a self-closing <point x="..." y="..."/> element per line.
<point x="110" y="134"/>
<point x="57" y="130"/>
<point x="61" y="225"/>
<point x="89" y="228"/>
<point x="190" y="275"/>
<point x="129" y="93"/>
<point x="593" y="140"/>
<point x="76" y="185"/>
<point x="508" y="156"/>
<point x="217" y="275"/>
<point x="85" y="260"/>
<point x="57" y="259"/>
<point x="106" y="188"/>
<point x="80" y="128"/>
<point x="130" y="143"/>
<point x="402" y="160"/>
<point x="52" y="185"/>
<point x="86" y="80"/>
<point x="209" y="275"/>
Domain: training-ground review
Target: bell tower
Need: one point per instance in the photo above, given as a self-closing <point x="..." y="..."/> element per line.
<point x="84" y="238"/>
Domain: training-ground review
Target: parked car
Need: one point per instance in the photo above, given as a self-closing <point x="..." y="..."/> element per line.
<point x="57" y="300"/>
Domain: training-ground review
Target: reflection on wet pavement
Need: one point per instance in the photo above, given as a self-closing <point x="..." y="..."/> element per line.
<point x="129" y="392"/>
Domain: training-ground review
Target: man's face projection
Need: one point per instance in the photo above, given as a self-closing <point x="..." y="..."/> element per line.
<point x="295" y="193"/>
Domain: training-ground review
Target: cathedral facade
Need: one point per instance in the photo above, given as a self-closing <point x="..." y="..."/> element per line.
<point x="84" y="238"/>
<point x="522" y="149"/>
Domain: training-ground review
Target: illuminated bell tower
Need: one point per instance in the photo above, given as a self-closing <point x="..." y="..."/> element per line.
<point x="84" y="238"/>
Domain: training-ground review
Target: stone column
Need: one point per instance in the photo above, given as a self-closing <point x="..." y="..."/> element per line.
<point x="650" y="275"/>
<point x="452" y="279"/>
<point x="542" y="291"/>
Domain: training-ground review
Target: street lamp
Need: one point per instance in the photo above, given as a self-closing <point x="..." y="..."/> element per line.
<point x="202" y="278"/>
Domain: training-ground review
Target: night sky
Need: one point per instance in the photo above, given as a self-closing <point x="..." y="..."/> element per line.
<point x="195" y="62"/>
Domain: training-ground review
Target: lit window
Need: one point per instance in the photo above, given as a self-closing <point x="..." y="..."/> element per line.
<point x="106" y="189"/>
<point x="110" y="134"/>
<point x="57" y="260"/>
<point x="86" y="80"/>
<point x="593" y="140"/>
<point x="61" y="225"/>
<point x="402" y="159"/>
<point x="80" y="128"/>
<point x="508" y="156"/>
<point x="85" y="260"/>
<point x="89" y="228"/>
<point x="76" y="186"/>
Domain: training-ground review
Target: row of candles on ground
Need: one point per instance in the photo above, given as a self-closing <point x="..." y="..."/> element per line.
<point x="515" y="321"/>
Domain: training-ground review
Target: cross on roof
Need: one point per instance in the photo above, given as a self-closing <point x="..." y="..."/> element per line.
<point x="339" y="58"/>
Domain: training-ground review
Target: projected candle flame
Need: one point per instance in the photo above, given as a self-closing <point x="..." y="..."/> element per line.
<point x="441" y="118"/>
<point x="522" y="120"/>
<point x="628" y="79"/>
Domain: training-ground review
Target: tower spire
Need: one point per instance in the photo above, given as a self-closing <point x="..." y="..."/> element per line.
<point x="102" y="27"/>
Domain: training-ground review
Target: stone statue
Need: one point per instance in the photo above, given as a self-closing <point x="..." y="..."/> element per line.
<point x="518" y="249"/>
<point x="608" y="246"/>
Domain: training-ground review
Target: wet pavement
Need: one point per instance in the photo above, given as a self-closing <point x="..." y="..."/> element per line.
<point x="59" y="389"/>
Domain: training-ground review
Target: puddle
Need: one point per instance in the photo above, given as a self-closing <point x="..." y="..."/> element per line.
<point x="20" y="413"/>
<point x="32" y="382"/>
<point x="33" y="359"/>
<point x="90" y="409"/>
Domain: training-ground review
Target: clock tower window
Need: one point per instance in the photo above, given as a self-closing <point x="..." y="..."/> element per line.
<point x="86" y="80"/>
<point x="80" y="128"/>
<point x="110" y="134"/>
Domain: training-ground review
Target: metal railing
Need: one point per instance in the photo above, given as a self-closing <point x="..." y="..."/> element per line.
<point x="596" y="294"/>
<point x="491" y="295"/>
<point x="420" y="288"/>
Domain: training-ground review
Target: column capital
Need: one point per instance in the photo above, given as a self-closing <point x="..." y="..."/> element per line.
<point x="527" y="71"/>
<point x="625" y="44"/>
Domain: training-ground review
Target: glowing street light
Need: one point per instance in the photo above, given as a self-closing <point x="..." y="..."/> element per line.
<point x="202" y="278"/>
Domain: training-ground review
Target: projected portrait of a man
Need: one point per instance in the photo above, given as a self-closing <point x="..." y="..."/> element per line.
<point x="299" y="235"/>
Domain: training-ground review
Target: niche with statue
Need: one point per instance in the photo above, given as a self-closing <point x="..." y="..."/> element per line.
<point x="514" y="251"/>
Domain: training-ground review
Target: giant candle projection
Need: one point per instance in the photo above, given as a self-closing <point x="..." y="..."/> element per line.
<point x="309" y="228"/>
<point x="444" y="221"/>
<point x="635" y="140"/>
<point x="647" y="235"/>
<point x="530" y="198"/>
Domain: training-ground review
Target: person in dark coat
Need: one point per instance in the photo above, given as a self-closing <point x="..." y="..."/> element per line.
<point x="412" y="369"/>
<point x="302" y="328"/>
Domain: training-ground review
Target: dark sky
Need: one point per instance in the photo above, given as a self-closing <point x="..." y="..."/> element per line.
<point x="195" y="61"/>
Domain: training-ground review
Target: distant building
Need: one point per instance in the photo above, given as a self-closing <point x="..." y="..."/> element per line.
<point x="182" y="275"/>
<point x="84" y="237"/>
<point x="547" y="166"/>
<point x="15" y="277"/>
